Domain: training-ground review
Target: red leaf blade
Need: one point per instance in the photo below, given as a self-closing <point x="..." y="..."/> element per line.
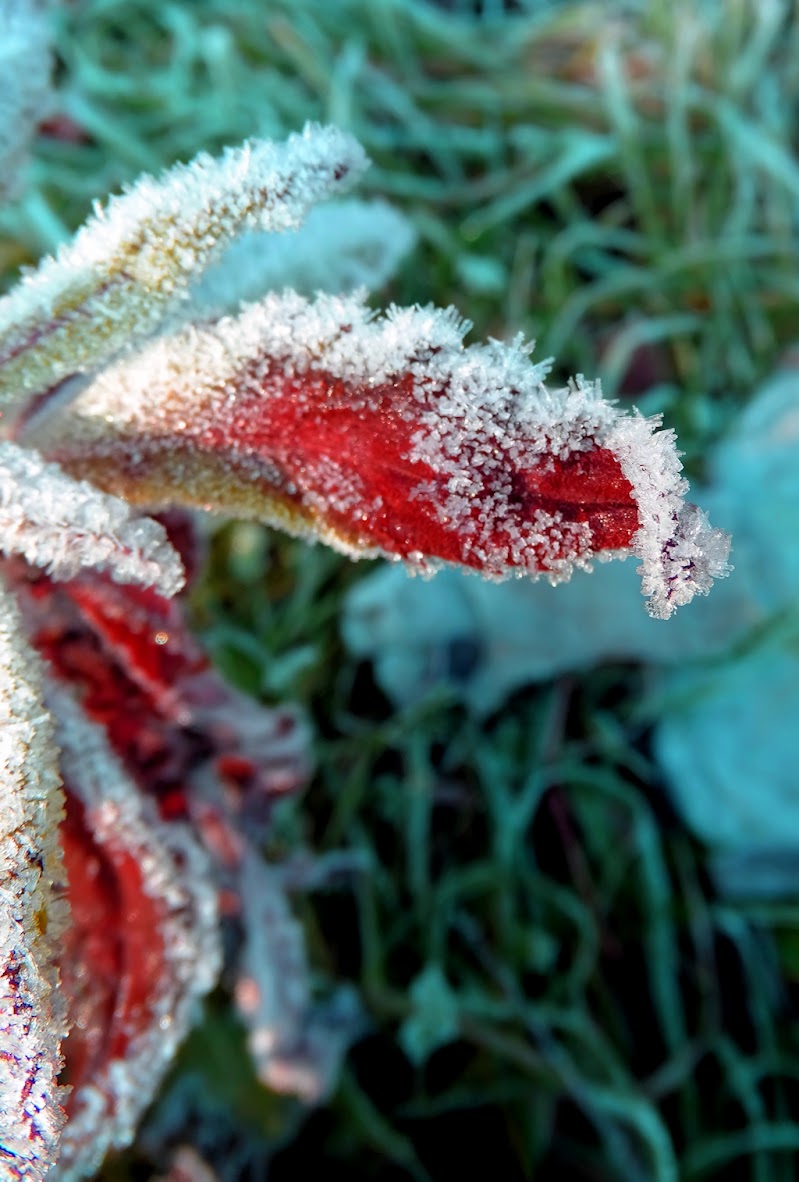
<point x="388" y="436"/>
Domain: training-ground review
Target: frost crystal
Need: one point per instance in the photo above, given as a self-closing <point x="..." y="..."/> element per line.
<point x="33" y="913"/>
<point x="681" y="553"/>
<point x="134" y="260"/>
<point x="62" y="525"/>
<point x="163" y="880"/>
<point x="386" y="435"/>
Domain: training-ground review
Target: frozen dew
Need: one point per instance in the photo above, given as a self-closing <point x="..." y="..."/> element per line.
<point x="136" y="258"/>
<point x="172" y="950"/>
<point x="33" y="913"/>
<point x="386" y="435"/>
<point x="62" y="525"/>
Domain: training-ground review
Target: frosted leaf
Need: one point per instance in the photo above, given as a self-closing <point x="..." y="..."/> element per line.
<point x="126" y="1027"/>
<point x="62" y="525"/>
<point x="131" y="661"/>
<point x="134" y="260"/>
<point x="521" y="632"/>
<point x="341" y="246"/>
<point x="24" y="81"/>
<point x="387" y="436"/>
<point x="33" y="914"/>
<point x="727" y="741"/>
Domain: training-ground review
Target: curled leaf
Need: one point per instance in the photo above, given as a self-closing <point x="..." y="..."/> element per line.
<point x="387" y="436"/>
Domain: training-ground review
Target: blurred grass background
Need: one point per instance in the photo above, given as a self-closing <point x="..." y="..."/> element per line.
<point x="547" y="976"/>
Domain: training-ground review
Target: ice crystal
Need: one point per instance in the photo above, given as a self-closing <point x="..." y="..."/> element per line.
<point x="387" y="436"/>
<point x="134" y="260"/>
<point x="166" y="918"/>
<point x="62" y="525"/>
<point x="33" y="912"/>
<point x="378" y="434"/>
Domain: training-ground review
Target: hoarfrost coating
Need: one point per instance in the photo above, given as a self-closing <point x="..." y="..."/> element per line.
<point x="378" y="434"/>
<point x="387" y="435"/>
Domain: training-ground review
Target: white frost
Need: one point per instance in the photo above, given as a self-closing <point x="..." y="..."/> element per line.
<point x="134" y="260"/>
<point x="62" y="525"/>
<point x="480" y="413"/>
<point x="175" y="871"/>
<point x="33" y="913"/>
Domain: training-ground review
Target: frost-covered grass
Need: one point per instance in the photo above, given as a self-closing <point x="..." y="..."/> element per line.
<point x="544" y="965"/>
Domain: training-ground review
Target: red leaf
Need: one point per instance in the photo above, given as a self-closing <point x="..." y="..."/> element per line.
<point x="387" y="436"/>
<point x="113" y="951"/>
<point x="317" y="437"/>
<point x="137" y="670"/>
<point x="142" y="947"/>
